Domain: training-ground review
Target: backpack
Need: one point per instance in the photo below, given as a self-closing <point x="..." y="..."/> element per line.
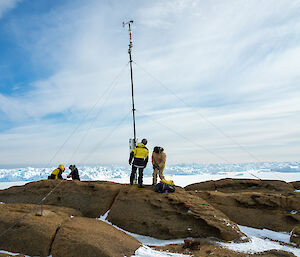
<point x="162" y="187"/>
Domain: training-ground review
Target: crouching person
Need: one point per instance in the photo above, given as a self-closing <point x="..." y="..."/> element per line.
<point x="158" y="161"/>
<point x="57" y="173"/>
<point x="74" y="173"/>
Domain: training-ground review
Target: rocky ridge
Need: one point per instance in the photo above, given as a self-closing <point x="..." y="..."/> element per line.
<point x="202" y="210"/>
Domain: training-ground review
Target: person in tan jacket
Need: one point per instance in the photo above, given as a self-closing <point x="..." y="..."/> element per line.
<point x="158" y="161"/>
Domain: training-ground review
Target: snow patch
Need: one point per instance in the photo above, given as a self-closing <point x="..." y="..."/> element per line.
<point x="145" y="240"/>
<point x="104" y="217"/>
<point x="145" y="251"/>
<point x="260" y="240"/>
<point x="13" y="254"/>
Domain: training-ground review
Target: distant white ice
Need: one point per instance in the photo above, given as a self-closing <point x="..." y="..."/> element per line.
<point x="182" y="175"/>
<point x="4" y="185"/>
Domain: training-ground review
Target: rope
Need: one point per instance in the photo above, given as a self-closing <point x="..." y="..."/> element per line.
<point x="201" y="115"/>
<point x="196" y="144"/>
<point x="110" y="87"/>
<point x="88" y="155"/>
<point x="86" y="115"/>
<point x="109" y="92"/>
<point x="201" y="146"/>
<point x="31" y="210"/>
<point x="184" y="137"/>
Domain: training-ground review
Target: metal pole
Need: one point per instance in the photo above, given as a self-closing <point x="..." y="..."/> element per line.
<point x="131" y="77"/>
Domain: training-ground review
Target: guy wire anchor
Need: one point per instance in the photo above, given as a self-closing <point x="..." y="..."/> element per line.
<point x="42" y="202"/>
<point x="40" y="214"/>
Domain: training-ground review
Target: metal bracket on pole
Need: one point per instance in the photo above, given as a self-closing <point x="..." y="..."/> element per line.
<point x="130" y="35"/>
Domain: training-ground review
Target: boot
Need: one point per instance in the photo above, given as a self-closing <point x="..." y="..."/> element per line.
<point x="141" y="186"/>
<point x="153" y="183"/>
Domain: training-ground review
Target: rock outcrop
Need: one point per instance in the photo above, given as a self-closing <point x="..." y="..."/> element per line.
<point x="93" y="238"/>
<point x="167" y="216"/>
<point x="140" y="211"/>
<point x="92" y="198"/>
<point x="34" y="234"/>
<point x="296" y="185"/>
<point x="230" y="185"/>
<point x="254" y="203"/>
<point x="58" y="233"/>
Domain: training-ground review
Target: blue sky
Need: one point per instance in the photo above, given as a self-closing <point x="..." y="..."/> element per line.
<point x="215" y="81"/>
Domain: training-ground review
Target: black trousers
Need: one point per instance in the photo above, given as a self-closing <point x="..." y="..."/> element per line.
<point x="132" y="176"/>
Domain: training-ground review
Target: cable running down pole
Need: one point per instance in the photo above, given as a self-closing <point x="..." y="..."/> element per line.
<point x="131" y="76"/>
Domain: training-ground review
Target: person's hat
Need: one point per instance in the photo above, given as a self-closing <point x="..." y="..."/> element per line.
<point x="61" y="166"/>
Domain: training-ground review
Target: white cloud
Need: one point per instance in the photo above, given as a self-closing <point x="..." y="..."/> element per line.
<point x="7" y="5"/>
<point x="236" y="62"/>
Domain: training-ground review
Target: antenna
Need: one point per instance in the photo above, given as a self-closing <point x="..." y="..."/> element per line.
<point x="131" y="77"/>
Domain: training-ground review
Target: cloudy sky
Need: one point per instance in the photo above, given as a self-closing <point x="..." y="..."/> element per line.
<point x="215" y="81"/>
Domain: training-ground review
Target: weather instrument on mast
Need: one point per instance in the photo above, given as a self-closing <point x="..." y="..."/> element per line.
<point x="133" y="141"/>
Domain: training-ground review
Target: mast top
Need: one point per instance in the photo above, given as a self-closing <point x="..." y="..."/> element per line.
<point x="128" y="22"/>
<point x="130" y="34"/>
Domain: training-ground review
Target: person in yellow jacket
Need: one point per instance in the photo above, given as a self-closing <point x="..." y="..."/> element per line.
<point x="57" y="173"/>
<point x="140" y="159"/>
<point x="158" y="161"/>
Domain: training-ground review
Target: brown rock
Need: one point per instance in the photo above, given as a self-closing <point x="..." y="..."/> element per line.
<point x="93" y="238"/>
<point x="92" y="198"/>
<point x="192" y="245"/>
<point x="144" y="212"/>
<point x="296" y="184"/>
<point x="33" y="234"/>
<point x="295" y="237"/>
<point x="237" y="185"/>
<point x="275" y="253"/>
<point x="260" y="210"/>
<point x="168" y="216"/>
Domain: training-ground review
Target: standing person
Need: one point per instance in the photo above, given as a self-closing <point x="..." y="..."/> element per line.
<point x="74" y="173"/>
<point x="57" y="173"/>
<point x="158" y="161"/>
<point x="140" y="159"/>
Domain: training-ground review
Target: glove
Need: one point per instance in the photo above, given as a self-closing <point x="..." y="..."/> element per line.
<point x="129" y="162"/>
